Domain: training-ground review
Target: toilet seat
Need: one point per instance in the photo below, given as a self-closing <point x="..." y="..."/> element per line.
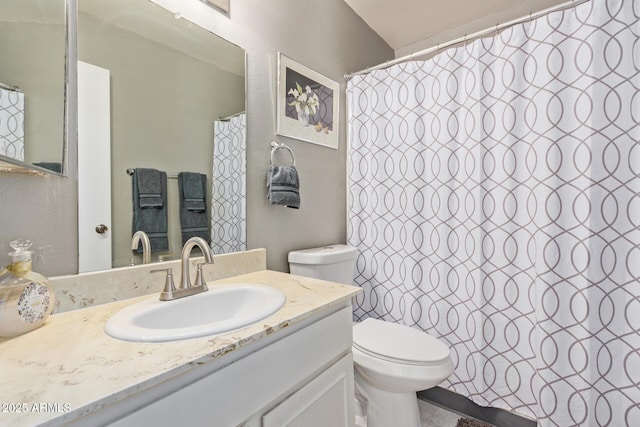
<point x="397" y="343"/>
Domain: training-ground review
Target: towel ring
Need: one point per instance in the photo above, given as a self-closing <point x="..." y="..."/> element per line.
<point x="275" y="147"/>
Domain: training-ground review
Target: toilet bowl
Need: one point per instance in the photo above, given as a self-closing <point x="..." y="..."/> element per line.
<point x="391" y="361"/>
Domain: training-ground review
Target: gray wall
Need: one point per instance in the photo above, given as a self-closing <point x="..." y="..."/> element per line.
<point x="336" y="42"/>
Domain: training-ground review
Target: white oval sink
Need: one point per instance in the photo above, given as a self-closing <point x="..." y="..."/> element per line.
<point x="221" y="309"/>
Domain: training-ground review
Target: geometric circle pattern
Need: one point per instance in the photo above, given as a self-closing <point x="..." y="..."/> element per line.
<point x="494" y="199"/>
<point x="228" y="182"/>
<point x="12" y="124"/>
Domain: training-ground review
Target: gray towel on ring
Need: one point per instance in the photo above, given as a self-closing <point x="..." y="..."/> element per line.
<point x="283" y="186"/>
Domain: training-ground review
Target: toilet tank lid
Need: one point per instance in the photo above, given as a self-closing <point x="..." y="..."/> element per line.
<point x="323" y="255"/>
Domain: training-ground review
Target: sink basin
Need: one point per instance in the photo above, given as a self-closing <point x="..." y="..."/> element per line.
<point x="221" y="309"/>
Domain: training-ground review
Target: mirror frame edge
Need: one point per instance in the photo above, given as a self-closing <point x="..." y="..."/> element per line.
<point x="70" y="142"/>
<point x="8" y="164"/>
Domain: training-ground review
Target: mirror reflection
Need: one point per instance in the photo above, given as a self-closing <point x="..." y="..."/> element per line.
<point x="32" y="83"/>
<point x="175" y="100"/>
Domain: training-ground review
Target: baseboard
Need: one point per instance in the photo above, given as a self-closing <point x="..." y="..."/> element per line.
<point x="458" y="403"/>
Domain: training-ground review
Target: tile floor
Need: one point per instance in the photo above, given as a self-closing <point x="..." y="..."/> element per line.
<point x="430" y="416"/>
<point x="435" y="416"/>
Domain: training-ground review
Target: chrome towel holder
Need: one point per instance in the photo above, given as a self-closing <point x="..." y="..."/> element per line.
<point x="130" y="171"/>
<point x="277" y="146"/>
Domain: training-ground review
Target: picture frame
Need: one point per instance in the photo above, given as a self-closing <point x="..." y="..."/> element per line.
<point x="307" y="104"/>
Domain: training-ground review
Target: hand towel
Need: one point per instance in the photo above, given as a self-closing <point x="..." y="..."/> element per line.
<point x="193" y="189"/>
<point x="283" y="186"/>
<point x="151" y="219"/>
<point x="149" y="187"/>
<point x="194" y="219"/>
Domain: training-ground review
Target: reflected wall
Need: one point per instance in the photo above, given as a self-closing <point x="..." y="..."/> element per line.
<point x="32" y="72"/>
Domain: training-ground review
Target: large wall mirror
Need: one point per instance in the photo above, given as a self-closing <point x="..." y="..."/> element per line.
<point x="177" y="99"/>
<point x="32" y="84"/>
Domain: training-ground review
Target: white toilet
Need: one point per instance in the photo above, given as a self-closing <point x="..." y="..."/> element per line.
<point x="392" y="361"/>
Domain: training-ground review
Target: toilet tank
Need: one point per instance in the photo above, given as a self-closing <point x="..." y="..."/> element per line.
<point x="336" y="263"/>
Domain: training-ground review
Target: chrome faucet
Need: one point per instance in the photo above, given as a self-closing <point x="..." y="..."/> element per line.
<point x="186" y="288"/>
<point x="146" y="245"/>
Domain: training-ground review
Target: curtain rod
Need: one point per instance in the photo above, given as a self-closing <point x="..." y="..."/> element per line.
<point x="9" y="87"/>
<point x="226" y="119"/>
<point x="468" y="37"/>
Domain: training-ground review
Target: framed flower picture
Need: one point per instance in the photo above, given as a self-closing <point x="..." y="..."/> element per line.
<point x="307" y="104"/>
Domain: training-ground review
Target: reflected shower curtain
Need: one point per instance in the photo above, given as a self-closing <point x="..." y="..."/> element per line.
<point x="494" y="200"/>
<point x="228" y="198"/>
<point x="12" y="124"/>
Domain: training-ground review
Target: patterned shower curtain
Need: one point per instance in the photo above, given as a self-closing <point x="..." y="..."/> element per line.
<point x="12" y="124"/>
<point x="495" y="202"/>
<point x="228" y="198"/>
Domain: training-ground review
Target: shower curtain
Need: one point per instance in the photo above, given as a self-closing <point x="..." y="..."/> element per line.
<point x="494" y="198"/>
<point x="12" y="124"/>
<point x="228" y="198"/>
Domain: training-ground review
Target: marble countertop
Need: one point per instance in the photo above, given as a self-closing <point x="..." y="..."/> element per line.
<point x="70" y="367"/>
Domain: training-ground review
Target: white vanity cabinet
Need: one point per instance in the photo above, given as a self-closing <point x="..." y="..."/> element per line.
<point x="324" y="401"/>
<point x="300" y="377"/>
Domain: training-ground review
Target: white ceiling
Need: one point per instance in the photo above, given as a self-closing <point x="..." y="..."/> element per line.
<point x="405" y="24"/>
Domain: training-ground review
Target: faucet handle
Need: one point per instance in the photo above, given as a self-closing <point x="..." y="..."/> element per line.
<point x="169" y="286"/>
<point x="200" y="277"/>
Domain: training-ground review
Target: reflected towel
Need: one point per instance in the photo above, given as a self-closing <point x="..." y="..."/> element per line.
<point x="192" y="189"/>
<point x="151" y="219"/>
<point x="283" y="186"/>
<point x="194" y="219"/>
<point x="149" y="187"/>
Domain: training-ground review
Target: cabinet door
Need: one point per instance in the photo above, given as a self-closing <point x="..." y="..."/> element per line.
<point x="325" y="401"/>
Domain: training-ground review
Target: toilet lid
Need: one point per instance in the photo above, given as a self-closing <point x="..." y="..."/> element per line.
<point x="395" y="342"/>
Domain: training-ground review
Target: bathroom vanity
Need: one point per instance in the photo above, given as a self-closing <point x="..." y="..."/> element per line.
<point x="292" y="368"/>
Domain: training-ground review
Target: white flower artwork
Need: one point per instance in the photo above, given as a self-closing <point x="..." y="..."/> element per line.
<point x="307" y="104"/>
